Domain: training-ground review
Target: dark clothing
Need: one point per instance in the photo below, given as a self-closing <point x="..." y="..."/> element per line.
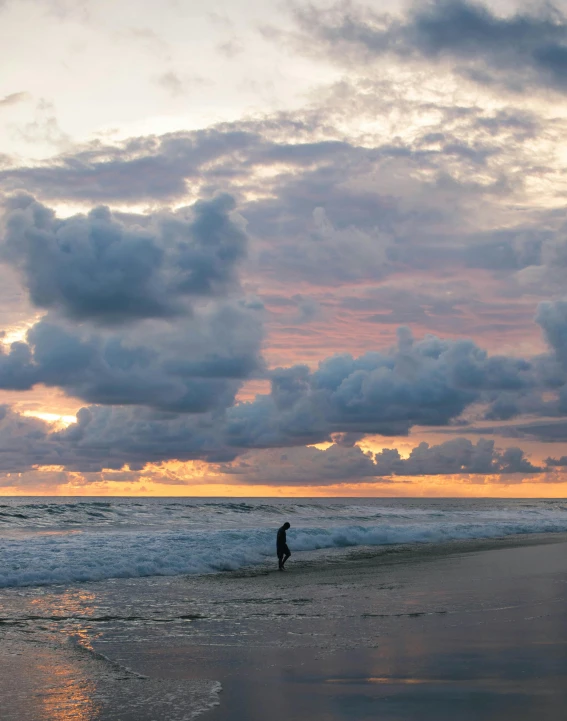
<point x="281" y="541"/>
<point x="281" y="546"/>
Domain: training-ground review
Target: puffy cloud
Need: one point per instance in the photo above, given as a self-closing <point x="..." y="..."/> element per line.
<point x="336" y="464"/>
<point x="96" y="267"/>
<point x="429" y="382"/>
<point x="108" y="437"/>
<point x="517" y="51"/>
<point x="191" y="365"/>
<point x="557" y="462"/>
<point x="147" y="314"/>
<point x="552" y="317"/>
<point x="24" y="442"/>
<point x="112" y="437"/>
<point x="303" y="466"/>
<point x="456" y="456"/>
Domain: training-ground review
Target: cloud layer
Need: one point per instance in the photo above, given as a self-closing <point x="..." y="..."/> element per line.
<point x="517" y="51"/>
<point x="380" y="258"/>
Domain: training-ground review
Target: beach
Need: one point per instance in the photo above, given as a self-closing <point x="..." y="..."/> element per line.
<point x="472" y="629"/>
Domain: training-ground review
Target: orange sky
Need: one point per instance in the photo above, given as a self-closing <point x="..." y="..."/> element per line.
<point x="357" y="191"/>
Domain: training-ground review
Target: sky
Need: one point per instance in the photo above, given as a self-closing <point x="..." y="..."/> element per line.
<point x="283" y="248"/>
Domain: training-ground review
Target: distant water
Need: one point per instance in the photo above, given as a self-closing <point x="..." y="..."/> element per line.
<point x="47" y="541"/>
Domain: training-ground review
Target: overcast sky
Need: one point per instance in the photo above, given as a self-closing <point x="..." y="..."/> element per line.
<point x="280" y="247"/>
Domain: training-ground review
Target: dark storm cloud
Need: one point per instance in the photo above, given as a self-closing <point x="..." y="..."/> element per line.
<point x="518" y="51"/>
<point x="456" y="456"/>
<point x="95" y="267"/>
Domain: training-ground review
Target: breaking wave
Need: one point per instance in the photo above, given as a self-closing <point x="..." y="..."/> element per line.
<point x="131" y="539"/>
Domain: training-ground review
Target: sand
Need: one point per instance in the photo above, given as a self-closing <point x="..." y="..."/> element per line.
<point x="474" y="630"/>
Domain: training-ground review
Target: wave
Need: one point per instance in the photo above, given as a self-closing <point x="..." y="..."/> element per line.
<point x="127" y="513"/>
<point x="88" y="556"/>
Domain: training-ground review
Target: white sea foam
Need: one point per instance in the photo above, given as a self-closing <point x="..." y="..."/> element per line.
<point x="127" y="538"/>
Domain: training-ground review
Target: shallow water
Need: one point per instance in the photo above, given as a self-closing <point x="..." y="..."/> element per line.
<point x="92" y="589"/>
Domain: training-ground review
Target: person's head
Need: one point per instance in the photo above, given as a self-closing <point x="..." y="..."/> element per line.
<point x="286" y="526"/>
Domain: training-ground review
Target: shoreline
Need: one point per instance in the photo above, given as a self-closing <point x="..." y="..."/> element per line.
<point x="472" y="629"/>
<point x="393" y="554"/>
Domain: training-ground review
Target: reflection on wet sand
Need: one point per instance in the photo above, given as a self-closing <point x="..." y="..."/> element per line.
<point x="49" y="670"/>
<point x="43" y="684"/>
<point x="53" y="686"/>
<point x="68" y="696"/>
<point x="74" y="602"/>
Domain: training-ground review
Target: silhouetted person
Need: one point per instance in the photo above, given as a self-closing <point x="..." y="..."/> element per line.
<point x="281" y="546"/>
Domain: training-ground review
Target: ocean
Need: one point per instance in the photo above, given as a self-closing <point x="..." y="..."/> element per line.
<point x="129" y="609"/>
<point x="45" y="541"/>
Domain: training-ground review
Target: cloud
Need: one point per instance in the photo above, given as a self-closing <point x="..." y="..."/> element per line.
<point x="61" y="9"/>
<point x="516" y="51"/>
<point x="456" y="456"/>
<point x="112" y="437"/>
<point x="44" y="128"/>
<point x="327" y="209"/>
<point x="428" y="382"/>
<point x="179" y="85"/>
<point x="557" y="462"/>
<point x="24" y="442"/>
<point x="96" y="267"/>
<point x="552" y="317"/>
<point x="13" y="99"/>
<point x="109" y="438"/>
<point x="302" y="466"/>
<point x="147" y="168"/>
<point x="335" y="464"/>
<point x="190" y="366"/>
<point x="147" y="312"/>
<point x="182" y="394"/>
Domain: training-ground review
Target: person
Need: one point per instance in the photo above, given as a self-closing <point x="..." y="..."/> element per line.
<point x="281" y="546"/>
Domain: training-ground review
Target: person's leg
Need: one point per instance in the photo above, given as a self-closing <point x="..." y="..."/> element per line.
<point x="280" y="561"/>
<point x="286" y="556"/>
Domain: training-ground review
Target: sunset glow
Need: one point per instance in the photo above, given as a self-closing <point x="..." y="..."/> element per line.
<point x="260" y="249"/>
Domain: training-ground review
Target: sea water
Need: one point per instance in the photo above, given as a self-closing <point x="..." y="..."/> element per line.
<point x="47" y="541"/>
<point x="88" y="585"/>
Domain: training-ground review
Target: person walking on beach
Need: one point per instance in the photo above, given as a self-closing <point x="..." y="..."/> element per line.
<point x="281" y="546"/>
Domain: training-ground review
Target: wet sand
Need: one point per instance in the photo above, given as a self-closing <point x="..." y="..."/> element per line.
<point x="472" y="630"/>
